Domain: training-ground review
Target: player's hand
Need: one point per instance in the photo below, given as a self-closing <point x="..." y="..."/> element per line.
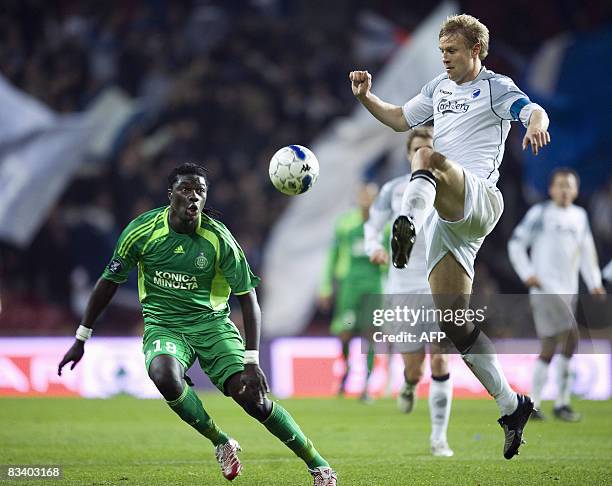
<point x="380" y="257"/>
<point x="254" y="382"/>
<point x="324" y="303"/>
<point x="361" y="83"/>
<point x="536" y="136"/>
<point x="599" y="293"/>
<point x="533" y="281"/>
<point x="74" y="354"/>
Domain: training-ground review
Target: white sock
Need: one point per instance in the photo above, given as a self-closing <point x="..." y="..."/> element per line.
<point x="540" y="374"/>
<point x="440" y="397"/>
<point x="482" y="360"/>
<point x="564" y="381"/>
<point x="419" y="197"/>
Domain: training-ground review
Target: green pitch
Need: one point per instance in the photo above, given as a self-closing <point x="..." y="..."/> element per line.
<point x="124" y="441"/>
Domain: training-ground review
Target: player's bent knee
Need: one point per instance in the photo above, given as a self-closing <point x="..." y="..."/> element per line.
<point x="438" y="162"/>
<point x="166" y="373"/>
<point x="422" y="159"/>
<point x="256" y="409"/>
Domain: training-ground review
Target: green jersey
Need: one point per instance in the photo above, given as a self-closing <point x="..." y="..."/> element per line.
<point x="184" y="280"/>
<point x="347" y="262"/>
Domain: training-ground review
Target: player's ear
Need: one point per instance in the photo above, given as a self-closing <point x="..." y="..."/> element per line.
<point x="170" y="194"/>
<point x="476" y="50"/>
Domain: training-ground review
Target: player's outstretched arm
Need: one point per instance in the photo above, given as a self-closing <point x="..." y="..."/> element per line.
<point x="537" y="131"/>
<point x="100" y="297"/>
<point x="253" y="379"/>
<point x="387" y="113"/>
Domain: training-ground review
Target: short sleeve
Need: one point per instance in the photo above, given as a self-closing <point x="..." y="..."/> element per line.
<point x="507" y="100"/>
<point x="419" y="110"/>
<point x="125" y="256"/>
<point x="234" y="265"/>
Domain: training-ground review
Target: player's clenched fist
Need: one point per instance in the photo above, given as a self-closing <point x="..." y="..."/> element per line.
<point x="361" y="82"/>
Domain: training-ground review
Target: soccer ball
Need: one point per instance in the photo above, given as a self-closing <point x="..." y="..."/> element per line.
<point x="293" y="169"/>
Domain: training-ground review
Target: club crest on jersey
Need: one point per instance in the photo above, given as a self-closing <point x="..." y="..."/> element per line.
<point x="201" y="261"/>
<point x="452" y="106"/>
<point x="476" y="93"/>
<point x="115" y="265"/>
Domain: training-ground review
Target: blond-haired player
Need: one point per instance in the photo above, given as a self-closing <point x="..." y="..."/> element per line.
<point x="471" y="108"/>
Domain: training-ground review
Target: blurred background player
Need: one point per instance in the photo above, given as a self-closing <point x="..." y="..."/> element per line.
<point x="188" y="265"/>
<point x="607" y="272"/>
<point x="351" y="278"/>
<point x="472" y="109"/>
<point x="558" y="234"/>
<point x="407" y="281"/>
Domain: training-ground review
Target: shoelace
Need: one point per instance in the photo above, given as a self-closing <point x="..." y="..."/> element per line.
<point x="321" y="478"/>
<point x="227" y="456"/>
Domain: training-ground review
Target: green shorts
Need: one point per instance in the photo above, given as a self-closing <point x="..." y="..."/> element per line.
<point x="219" y="349"/>
<point x="351" y="309"/>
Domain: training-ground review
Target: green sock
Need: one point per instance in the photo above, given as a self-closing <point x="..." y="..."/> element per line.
<point x="282" y="425"/>
<point x="189" y="407"/>
<point x="345" y="350"/>
<point x="370" y="358"/>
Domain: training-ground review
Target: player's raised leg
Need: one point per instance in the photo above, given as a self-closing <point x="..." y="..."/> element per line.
<point x="435" y="181"/>
<point x="451" y="288"/>
<point x="281" y="424"/>
<point x="440" y="399"/>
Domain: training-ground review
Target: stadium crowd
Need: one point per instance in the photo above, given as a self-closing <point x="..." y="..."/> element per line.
<point x="225" y="84"/>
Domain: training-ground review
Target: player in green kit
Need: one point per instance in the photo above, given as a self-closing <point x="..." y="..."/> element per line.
<point x="355" y="278"/>
<point x="188" y="265"/>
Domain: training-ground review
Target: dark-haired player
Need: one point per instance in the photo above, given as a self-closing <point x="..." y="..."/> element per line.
<point x="188" y="265"/>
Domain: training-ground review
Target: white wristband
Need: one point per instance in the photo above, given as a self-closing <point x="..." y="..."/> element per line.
<point x="83" y="333"/>
<point x="251" y="356"/>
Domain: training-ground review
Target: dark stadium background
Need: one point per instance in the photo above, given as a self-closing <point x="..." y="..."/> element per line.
<point x="229" y="83"/>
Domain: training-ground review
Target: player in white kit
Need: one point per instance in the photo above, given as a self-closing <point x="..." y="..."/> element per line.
<point x="410" y="281"/>
<point x="558" y="234"/>
<point x="607" y="272"/>
<point x="471" y="108"/>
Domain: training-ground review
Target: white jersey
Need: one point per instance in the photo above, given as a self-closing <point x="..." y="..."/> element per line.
<point x="607" y="272"/>
<point x="561" y="245"/>
<point x="386" y="207"/>
<point x="471" y="120"/>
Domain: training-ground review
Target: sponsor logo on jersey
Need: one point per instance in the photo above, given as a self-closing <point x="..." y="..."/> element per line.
<point x="476" y="93"/>
<point x="175" y="280"/>
<point x="452" y="106"/>
<point x="115" y="265"/>
<point x="179" y="250"/>
<point x="445" y="92"/>
<point x="201" y="261"/>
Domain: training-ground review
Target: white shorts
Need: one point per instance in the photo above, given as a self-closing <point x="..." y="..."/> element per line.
<point x="483" y="206"/>
<point x="553" y="314"/>
<point x="418" y="300"/>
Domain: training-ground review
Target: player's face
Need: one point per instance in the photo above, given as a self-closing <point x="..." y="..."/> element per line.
<point x="564" y="189"/>
<point x="366" y="196"/>
<point x="417" y="143"/>
<point x="188" y="196"/>
<point x="458" y="59"/>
